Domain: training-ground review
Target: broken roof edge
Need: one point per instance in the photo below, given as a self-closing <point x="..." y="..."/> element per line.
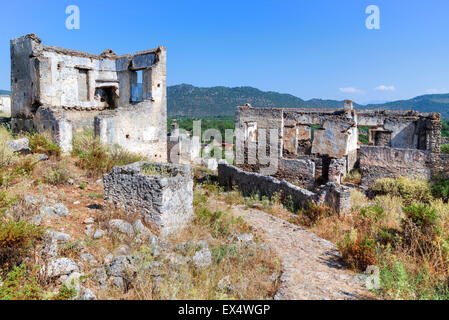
<point x="432" y="115"/>
<point x="108" y="54"/>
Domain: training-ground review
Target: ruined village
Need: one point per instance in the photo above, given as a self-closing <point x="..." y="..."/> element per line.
<point x="112" y="201"/>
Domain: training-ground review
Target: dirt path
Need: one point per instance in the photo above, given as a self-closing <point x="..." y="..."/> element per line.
<point x="311" y="266"/>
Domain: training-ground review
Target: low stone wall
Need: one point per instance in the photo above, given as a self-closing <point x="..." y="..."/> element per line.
<point x="440" y="165"/>
<point x="161" y="193"/>
<point x="331" y="195"/>
<point x="386" y="162"/>
<point x="300" y="172"/>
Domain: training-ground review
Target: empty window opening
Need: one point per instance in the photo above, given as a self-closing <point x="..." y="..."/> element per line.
<point x="107" y="96"/>
<point x="137" y="87"/>
<point x="83" y="85"/>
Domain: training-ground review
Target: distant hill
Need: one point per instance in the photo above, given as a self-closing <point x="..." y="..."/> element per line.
<point x="188" y="100"/>
<point x="426" y="103"/>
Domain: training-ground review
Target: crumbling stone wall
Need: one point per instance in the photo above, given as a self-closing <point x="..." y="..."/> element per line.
<point x="300" y="172"/>
<point x="335" y="138"/>
<point x="382" y="162"/>
<point x="87" y="90"/>
<point x="163" y="198"/>
<point x="331" y="195"/>
<point x="5" y="104"/>
<point x="440" y="165"/>
<point x="334" y="147"/>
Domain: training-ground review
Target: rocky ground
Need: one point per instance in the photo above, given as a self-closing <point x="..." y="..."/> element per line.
<point x="312" y="268"/>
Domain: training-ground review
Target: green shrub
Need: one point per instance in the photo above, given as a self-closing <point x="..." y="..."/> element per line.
<point x="43" y="143"/>
<point x="313" y="214"/>
<point x="358" y="251"/>
<point x="20" y="285"/>
<point x="25" y="166"/>
<point x="65" y="293"/>
<point x="424" y="217"/>
<point x="440" y="188"/>
<point x="410" y="190"/>
<point x="221" y="225"/>
<point x="57" y="174"/>
<point x="354" y="176"/>
<point x="98" y="158"/>
<point x="375" y="213"/>
<point x="213" y="219"/>
<point x="15" y="240"/>
<point x="445" y="148"/>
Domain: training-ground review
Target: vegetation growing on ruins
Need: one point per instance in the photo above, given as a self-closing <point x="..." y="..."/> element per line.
<point x="445" y="128"/>
<point x="403" y="230"/>
<point x="98" y="158"/>
<point x="220" y="124"/>
<point x="238" y="270"/>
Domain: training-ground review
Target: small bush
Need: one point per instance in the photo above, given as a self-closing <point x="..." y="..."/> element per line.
<point x="25" y="166"/>
<point x="313" y="214"/>
<point x="57" y="174"/>
<point x="423" y="217"/>
<point x="445" y="148"/>
<point x="357" y="250"/>
<point x="43" y="143"/>
<point x="98" y="158"/>
<point x="374" y="213"/>
<point x="440" y="188"/>
<point x="354" y="176"/>
<point x="20" y="285"/>
<point x="410" y="190"/>
<point x="220" y="224"/>
<point x="65" y="293"/>
<point x="15" y="240"/>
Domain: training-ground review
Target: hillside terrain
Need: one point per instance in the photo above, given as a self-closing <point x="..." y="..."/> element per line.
<point x="188" y="100"/>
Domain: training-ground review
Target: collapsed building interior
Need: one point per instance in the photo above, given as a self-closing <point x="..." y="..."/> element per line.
<point x="123" y="98"/>
<point x="321" y="145"/>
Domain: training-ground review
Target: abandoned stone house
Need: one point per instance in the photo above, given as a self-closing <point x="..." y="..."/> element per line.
<point x="321" y="145"/>
<point x="123" y="98"/>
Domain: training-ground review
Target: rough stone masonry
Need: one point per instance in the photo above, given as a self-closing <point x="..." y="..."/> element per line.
<point x="161" y="193"/>
<point x="401" y="143"/>
<point x="124" y="98"/>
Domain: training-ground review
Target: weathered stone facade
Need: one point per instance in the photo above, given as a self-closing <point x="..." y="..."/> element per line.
<point x="401" y="143"/>
<point x="161" y="193"/>
<point x="332" y="195"/>
<point x="63" y="90"/>
<point x="5" y="104"/>
<point x="383" y="162"/>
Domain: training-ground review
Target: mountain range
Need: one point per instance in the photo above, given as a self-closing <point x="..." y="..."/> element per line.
<point x="188" y="100"/>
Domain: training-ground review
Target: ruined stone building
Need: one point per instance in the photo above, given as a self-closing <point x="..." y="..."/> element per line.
<point x="321" y="145"/>
<point x="123" y="98"/>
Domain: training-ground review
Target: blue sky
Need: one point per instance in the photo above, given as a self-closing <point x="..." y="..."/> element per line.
<point x="312" y="49"/>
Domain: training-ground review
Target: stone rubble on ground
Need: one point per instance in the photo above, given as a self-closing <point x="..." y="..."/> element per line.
<point x="19" y="145"/>
<point x="60" y="267"/>
<point x="202" y="258"/>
